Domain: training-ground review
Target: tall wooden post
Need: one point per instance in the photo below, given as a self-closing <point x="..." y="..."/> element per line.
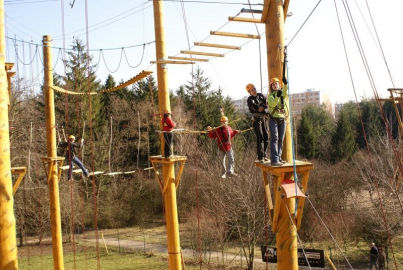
<point x="53" y="181"/>
<point x="8" y="244"/>
<point x="286" y="234"/>
<point x="168" y="174"/>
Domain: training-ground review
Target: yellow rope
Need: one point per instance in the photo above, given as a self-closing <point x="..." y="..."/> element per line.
<point x="138" y="77"/>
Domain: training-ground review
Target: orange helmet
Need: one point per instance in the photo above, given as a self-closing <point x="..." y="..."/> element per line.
<point x="250" y="86"/>
<point x="273" y="80"/>
<point x="224" y="119"/>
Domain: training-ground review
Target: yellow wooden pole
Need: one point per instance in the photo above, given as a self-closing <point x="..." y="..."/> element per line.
<point x="56" y="226"/>
<point x="168" y="173"/>
<point x="286" y="233"/>
<point x="8" y="244"/>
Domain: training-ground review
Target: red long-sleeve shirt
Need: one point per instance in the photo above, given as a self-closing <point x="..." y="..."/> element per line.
<point x="167" y="124"/>
<point x="223" y="135"/>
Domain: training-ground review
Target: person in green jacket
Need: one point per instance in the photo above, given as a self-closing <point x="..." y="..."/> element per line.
<point x="278" y="112"/>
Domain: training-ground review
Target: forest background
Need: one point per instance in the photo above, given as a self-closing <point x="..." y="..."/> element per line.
<point x="352" y="187"/>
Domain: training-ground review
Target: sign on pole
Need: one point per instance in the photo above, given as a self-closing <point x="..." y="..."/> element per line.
<point x="316" y="257"/>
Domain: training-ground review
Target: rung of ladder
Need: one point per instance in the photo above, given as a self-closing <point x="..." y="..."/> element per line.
<point x="188" y="59"/>
<point x="241" y="19"/>
<point x="203" y="53"/>
<point x="228" y="34"/>
<point x="217" y="45"/>
<point x="171" y="62"/>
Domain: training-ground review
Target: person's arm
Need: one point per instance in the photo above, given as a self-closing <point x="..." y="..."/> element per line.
<point x="63" y="144"/>
<point x="211" y="133"/>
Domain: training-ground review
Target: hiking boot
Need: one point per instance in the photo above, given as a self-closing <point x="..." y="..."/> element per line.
<point x="283" y="161"/>
<point x="232" y="174"/>
<point x="276" y="164"/>
<point x="266" y="159"/>
<point x="224" y="176"/>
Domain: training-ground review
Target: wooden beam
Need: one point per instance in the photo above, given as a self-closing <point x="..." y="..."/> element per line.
<point x="228" y="34"/>
<point x="21" y="171"/>
<point x="188" y="59"/>
<point x="242" y="19"/>
<point x="171" y="62"/>
<point x="203" y="53"/>
<point x="265" y="11"/>
<point x="217" y="45"/>
<point x="285" y="7"/>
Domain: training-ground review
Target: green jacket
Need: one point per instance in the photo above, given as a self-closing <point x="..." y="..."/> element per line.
<point x="276" y="109"/>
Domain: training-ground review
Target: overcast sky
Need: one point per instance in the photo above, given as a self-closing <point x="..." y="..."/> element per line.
<point x="316" y="56"/>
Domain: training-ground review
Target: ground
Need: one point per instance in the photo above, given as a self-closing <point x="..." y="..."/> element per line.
<point x="140" y="248"/>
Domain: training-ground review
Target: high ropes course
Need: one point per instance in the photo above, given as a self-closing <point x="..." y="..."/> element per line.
<point x="285" y="195"/>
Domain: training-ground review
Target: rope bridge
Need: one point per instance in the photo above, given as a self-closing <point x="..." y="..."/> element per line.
<point x="138" y="77"/>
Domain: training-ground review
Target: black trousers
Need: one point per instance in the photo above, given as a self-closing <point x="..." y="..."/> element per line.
<point x="168" y="143"/>
<point x="262" y="136"/>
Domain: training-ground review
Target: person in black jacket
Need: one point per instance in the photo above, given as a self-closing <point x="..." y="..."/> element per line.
<point x="258" y="108"/>
<point x="373" y="256"/>
<point x="72" y="149"/>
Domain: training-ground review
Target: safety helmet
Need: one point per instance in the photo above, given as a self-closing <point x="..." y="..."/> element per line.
<point x="72" y="137"/>
<point x="224" y="119"/>
<point x="273" y="80"/>
<point x="250" y="86"/>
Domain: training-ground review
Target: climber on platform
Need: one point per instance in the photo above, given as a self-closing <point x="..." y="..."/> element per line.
<point x="167" y="127"/>
<point x="258" y="108"/>
<point x="72" y="149"/>
<point x="223" y="134"/>
<point x="278" y="112"/>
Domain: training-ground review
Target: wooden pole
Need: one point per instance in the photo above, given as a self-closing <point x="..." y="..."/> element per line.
<point x="8" y="244"/>
<point x="286" y="233"/>
<point x="168" y="173"/>
<point x="53" y="181"/>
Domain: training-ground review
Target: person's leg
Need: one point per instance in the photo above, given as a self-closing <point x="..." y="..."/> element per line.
<point x="258" y="127"/>
<point x="273" y="141"/>
<point x="168" y="141"/>
<point x="77" y="161"/>
<point x="265" y="136"/>
<point x="281" y="134"/>
<point x="223" y="161"/>
<point x="231" y="161"/>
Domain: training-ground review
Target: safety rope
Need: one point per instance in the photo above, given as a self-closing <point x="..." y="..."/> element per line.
<point x="260" y="51"/>
<point x="90" y="126"/>
<point x="331" y="235"/>
<point x="106" y="65"/>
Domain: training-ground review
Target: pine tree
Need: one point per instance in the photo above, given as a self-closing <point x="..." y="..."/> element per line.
<point x="343" y="140"/>
<point x="306" y="138"/>
<point x="79" y="77"/>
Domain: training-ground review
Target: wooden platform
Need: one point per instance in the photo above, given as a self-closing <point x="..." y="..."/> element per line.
<point x="301" y="166"/>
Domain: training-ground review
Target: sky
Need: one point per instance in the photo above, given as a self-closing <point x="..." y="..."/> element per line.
<point x="316" y="56"/>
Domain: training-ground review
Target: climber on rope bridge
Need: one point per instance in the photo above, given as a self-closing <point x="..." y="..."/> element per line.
<point x="223" y="135"/>
<point x="258" y="108"/>
<point x="71" y="153"/>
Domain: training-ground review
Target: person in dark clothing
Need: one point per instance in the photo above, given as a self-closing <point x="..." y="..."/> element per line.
<point x="167" y="127"/>
<point x="258" y="108"/>
<point x="381" y="259"/>
<point x="373" y="257"/>
<point x="72" y="149"/>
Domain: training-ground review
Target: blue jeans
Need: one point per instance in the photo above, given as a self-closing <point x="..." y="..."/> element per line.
<point x="78" y="162"/>
<point x="277" y="132"/>
<point x="228" y="161"/>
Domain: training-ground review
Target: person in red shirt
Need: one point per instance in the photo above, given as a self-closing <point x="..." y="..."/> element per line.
<point x="223" y="136"/>
<point x="167" y="127"/>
